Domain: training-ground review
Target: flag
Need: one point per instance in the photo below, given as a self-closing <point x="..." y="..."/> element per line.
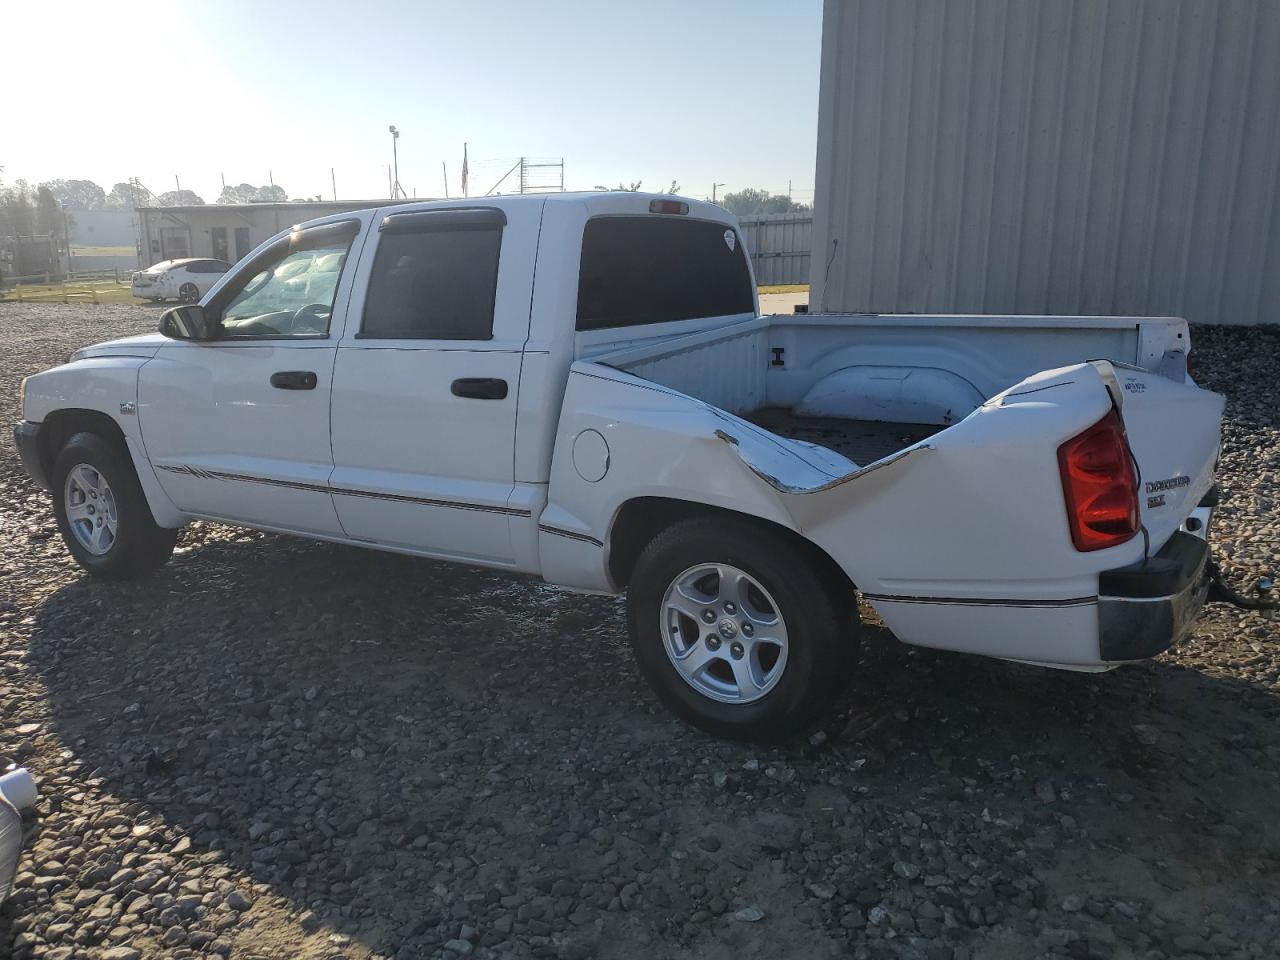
<point x="464" y="171"/>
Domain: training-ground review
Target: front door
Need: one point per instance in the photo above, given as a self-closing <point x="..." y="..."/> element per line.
<point x="426" y="379"/>
<point x="238" y="427"/>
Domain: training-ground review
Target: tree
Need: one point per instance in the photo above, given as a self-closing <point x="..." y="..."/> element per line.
<point x="16" y="214"/>
<point x="50" y="218"/>
<point x="77" y="194"/>
<point x="754" y="202"/>
<point x="248" y="193"/>
<point x="180" y="198"/>
<point x="635" y="187"/>
<point x="125" y="196"/>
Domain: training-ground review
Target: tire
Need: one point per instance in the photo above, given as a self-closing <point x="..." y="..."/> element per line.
<point x="189" y="293"/>
<point x="788" y="684"/>
<point x="138" y="545"/>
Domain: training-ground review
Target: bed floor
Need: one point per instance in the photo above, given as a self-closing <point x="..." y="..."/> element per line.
<point x="862" y="441"/>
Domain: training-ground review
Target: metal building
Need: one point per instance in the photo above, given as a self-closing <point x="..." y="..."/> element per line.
<point x="1052" y="156"/>
<point x="227" y="231"/>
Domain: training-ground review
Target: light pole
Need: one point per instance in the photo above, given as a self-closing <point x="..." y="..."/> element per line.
<point x="713" y="191"/>
<point x="395" y="159"/>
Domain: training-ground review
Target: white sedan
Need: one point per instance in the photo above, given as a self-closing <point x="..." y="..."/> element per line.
<point x="185" y="280"/>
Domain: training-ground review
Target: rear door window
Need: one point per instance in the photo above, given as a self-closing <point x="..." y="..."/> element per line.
<point x="435" y="277"/>
<point x="639" y="270"/>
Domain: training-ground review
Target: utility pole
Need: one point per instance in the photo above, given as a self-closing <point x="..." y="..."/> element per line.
<point x="713" y="191"/>
<point x="396" y="189"/>
<point x="334" y="181"/>
<point x="176" y="183"/>
<point x="444" y="171"/>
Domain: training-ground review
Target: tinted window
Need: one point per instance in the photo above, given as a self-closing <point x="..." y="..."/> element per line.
<point x="653" y="269"/>
<point x="434" y="281"/>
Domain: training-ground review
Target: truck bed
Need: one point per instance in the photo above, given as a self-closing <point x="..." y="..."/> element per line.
<point x="862" y="441"/>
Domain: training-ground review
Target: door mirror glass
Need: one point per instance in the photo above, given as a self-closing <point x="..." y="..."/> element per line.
<point x="188" y="322"/>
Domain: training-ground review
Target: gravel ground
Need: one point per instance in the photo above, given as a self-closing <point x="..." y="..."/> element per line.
<point x="276" y="748"/>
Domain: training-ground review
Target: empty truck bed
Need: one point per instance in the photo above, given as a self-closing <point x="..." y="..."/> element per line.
<point x="862" y="441"/>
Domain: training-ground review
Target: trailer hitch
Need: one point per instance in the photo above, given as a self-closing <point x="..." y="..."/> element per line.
<point x="1222" y="592"/>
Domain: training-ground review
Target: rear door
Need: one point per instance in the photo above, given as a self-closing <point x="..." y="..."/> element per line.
<point x="426" y="379"/>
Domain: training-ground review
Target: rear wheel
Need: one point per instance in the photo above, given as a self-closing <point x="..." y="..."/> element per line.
<point x="102" y="513"/>
<point x="189" y="293"/>
<point x="738" y="630"/>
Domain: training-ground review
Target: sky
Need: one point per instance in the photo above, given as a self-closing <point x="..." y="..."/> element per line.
<point x="700" y="92"/>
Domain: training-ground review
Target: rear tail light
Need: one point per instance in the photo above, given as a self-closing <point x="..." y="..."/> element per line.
<point x="668" y="206"/>
<point x="1099" y="485"/>
<point x="1191" y="365"/>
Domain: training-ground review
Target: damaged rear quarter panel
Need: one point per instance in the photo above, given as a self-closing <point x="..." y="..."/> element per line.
<point x="975" y="508"/>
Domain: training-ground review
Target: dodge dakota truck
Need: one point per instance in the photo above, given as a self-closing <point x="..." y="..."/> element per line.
<point x="582" y="387"/>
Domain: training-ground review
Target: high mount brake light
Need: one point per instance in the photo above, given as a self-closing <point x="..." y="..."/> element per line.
<point x="1099" y="485"/>
<point x="668" y="206"/>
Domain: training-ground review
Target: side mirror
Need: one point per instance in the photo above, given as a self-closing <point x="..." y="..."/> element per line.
<point x="189" y="322"/>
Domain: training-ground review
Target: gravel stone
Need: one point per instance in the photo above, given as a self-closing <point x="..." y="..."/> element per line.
<point x="320" y="741"/>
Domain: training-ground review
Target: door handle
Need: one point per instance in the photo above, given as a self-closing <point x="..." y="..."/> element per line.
<point x="480" y="388"/>
<point x="294" y="380"/>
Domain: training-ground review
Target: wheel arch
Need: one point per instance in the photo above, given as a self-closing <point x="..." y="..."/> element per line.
<point x="60" y="426"/>
<point x="640" y="519"/>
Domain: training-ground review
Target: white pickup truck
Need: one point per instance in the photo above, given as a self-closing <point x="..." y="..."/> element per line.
<point x="580" y="386"/>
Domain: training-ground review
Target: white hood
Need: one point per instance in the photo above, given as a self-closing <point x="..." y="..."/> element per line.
<point x="143" y="345"/>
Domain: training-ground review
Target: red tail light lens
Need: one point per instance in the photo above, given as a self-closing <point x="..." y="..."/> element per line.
<point x="1099" y="485"/>
<point x="668" y="206"/>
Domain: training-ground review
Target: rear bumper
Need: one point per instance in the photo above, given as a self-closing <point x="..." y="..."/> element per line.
<point x="26" y="437"/>
<point x="1145" y="608"/>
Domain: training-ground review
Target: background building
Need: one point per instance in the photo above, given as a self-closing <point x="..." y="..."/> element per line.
<point x="1061" y="156"/>
<point x="226" y="231"/>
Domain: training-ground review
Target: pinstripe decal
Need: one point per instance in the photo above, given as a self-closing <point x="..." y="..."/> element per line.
<point x="570" y="534"/>
<point x="343" y="491"/>
<point x="984" y="601"/>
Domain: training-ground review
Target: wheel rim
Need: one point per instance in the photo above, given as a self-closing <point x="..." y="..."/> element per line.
<point x="188" y="294"/>
<point x="724" y="633"/>
<point x="91" y="509"/>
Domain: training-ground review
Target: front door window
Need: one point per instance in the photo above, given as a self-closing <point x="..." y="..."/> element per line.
<point x="289" y="289"/>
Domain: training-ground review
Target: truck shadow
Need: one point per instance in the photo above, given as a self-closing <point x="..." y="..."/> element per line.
<point x="356" y="729"/>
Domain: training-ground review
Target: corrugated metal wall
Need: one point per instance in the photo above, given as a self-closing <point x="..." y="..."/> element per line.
<point x="779" y="245"/>
<point x="1056" y="156"/>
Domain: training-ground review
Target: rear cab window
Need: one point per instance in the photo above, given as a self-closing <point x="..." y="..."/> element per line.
<point x="639" y="270"/>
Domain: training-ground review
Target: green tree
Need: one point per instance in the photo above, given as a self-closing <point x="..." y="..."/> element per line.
<point x="248" y="193"/>
<point x="50" y="218"/>
<point x="180" y="198"/>
<point x="125" y="196"/>
<point x="17" y="217"/>
<point x="635" y="187"/>
<point x="753" y="202"/>
<point x="77" y="194"/>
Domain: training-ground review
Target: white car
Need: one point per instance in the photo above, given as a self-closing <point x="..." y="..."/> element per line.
<point x="581" y="387"/>
<point x="185" y="280"/>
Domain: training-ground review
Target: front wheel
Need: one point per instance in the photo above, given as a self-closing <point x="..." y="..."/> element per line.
<point x="102" y="512"/>
<point x="189" y="293"/>
<point x="737" y="629"/>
